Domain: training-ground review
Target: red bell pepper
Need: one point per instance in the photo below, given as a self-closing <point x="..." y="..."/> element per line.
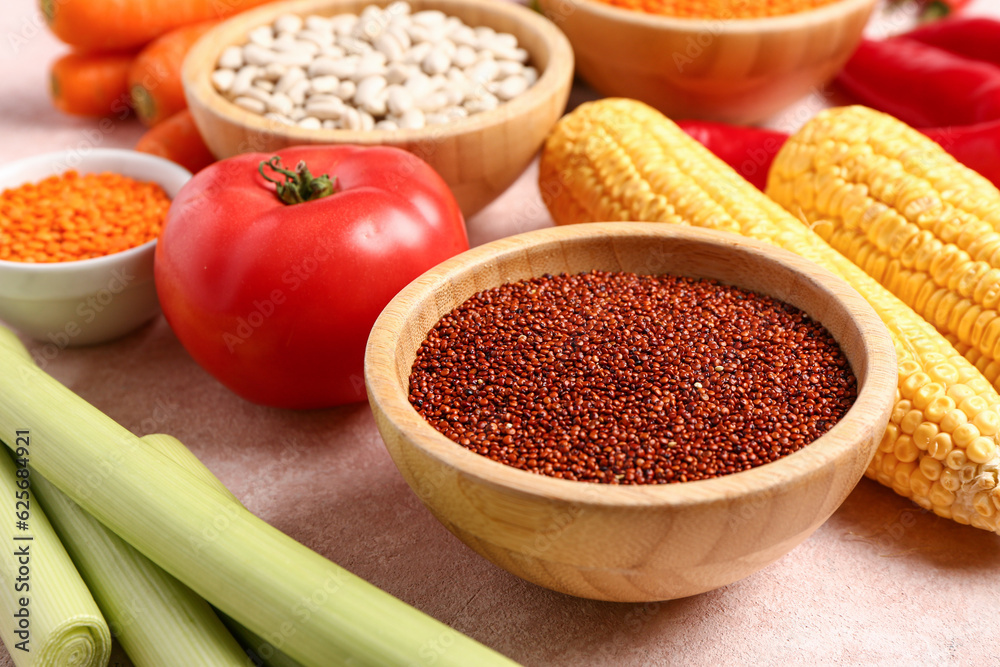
<point x="922" y="85"/>
<point x="976" y="37"/>
<point x="750" y="151"/>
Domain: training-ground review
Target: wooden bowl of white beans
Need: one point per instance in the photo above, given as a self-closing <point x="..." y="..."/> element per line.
<point x="470" y="86"/>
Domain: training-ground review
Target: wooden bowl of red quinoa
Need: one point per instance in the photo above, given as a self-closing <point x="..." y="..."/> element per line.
<point x="612" y="538"/>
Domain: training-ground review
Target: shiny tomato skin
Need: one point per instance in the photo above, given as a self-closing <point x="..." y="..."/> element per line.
<point x="276" y="301"/>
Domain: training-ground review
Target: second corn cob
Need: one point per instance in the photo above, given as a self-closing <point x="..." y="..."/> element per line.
<point x="618" y="159"/>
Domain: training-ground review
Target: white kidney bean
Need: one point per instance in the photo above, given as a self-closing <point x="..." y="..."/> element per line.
<point x="384" y="69"/>
<point x="250" y="104"/>
<point x="223" y="79"/>
<point x="231" y="58"/>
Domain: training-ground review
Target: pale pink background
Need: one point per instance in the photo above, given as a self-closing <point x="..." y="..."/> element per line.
<point x="881" y="583"/>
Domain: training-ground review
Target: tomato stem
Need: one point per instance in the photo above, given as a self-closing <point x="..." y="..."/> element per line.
<point x="299" y="185"/>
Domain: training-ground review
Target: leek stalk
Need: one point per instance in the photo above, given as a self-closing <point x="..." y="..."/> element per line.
<point x="303" y="604"/>
<point x="49" y="618"/>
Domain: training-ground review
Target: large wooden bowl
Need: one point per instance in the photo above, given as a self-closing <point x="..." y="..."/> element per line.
<point x="636" y="543"/>
<point x="479" y="156"/>
<point x="732" y="70"/>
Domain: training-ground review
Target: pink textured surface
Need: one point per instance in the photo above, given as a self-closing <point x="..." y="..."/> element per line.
<point x="882" y="582"/>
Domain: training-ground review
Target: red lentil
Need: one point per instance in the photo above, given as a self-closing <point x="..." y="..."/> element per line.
<point x="628" y="379"/>
<point x="69" y="217"/>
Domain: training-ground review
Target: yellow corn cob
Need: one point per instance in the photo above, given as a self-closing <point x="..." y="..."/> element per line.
<point x="897" y="205"/>
<point x="620" y="160"/>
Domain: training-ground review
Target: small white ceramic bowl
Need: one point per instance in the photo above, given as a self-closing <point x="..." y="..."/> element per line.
<point x="91" y="300"/>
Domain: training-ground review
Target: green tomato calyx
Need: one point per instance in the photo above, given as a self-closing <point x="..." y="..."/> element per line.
<point x="300" y="185"/>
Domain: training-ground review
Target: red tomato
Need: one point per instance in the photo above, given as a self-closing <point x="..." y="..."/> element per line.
<point x="276" y="300"/>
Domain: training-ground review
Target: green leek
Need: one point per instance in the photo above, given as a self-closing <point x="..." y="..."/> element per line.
<point x="49" y="618"/>
<point x="303" y="604"/>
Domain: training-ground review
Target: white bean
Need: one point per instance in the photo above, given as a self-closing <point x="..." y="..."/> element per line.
<point x="464" y="56"/>
<point x="289" y="78"/>
<point x="262" y="36"/>
<point x="413" y="119"/>
<point x="436" y="62"/>
<point x="385" y="69"/>
<point x="280" y="103"/>
<point x="398" y="100"/>
<point x="243" y="80"/>
<point x="351" y="119"/>
<point x="223" y="79"/>
<point x="272" y="72"/>
<point x="511" y="87"/>
<point x="326" y="110"/>
<point x="288" y="23"/>
<point x="323" y="84"/>
<point x="367" y="120"/>
<point x="231" y="58"/>
<point x="255" y="54"/>
<point x="297" y="93"/>
<point x="250" y="104"/>
<point x="322" y="39"/>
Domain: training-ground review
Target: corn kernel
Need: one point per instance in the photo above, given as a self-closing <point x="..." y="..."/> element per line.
<point x="983" y="506"/>
<point x="953" y="419"/>
<point x="889" y="438"/>
<point x="943" y="512"/>
<point x="905" y="450"/>
<point x="949" y="480"/>
<point x="964" y="434"/>
<point x="908" y="367"/>
<point x="901" y="477"/>
<point x="911" y="384"/>
<point x="960" y="392"/>
<point x="981" y="522"/>
<point x="940" y="446"/>
<point x="911" y="421"/>
<point x="940" y="496"/>
<point x="981" y="450"/>
<point x="988" y="422"/>
<point x="900" y="410"/>
<point x="956" y="459"/>
<point x="930" y="468"/>
<point x="973" y="405"/>
<point x="926" y="394"/>
<point x="924" y="434"/>
<point x="919" y="484"/>
<point x="961" y="515"/>
<point x="889" y="463"/>
<point x="938" y="408"/>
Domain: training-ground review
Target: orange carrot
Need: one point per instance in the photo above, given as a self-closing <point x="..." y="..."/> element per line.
<point x="177" y="139"/>
<point x="71" y="216"/>
<point x="91" y="84"/>
<point x="154" y="79"/>
<point x="118" y="25"/>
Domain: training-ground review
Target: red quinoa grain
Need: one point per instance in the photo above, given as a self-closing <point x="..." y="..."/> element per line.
<point x="627" y="379"/>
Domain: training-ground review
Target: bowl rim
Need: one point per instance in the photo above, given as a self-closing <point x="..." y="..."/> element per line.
<point x="54" y="157"/>
<point x="197" y="69"/>
<point x="389" y="399"/>
<point x="722" y="26"/>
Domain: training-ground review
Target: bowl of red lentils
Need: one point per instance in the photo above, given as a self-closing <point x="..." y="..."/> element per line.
<point x="630" y="411"/>
<point x="472" y="87"/>
<point x="737" y="61"/>
<point x="77" y="235"/>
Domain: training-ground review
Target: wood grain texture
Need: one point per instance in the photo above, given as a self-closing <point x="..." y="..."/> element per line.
<point x="637" y="543"/>
<point x="732" y="70"/>
<point x="478" y="157"/>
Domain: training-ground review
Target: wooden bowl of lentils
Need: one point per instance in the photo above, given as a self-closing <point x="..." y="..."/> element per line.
<point x="470" y="86"/>
<point x="630" y="411"/>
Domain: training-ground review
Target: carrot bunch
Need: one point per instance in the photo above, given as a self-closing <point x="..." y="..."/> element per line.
<point x="127" y="57"/>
